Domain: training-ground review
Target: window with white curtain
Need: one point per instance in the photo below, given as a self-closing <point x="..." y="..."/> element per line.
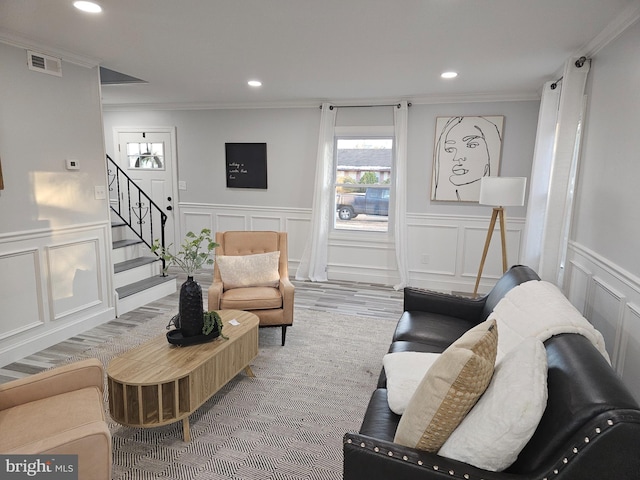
<point x="363" y="182"/>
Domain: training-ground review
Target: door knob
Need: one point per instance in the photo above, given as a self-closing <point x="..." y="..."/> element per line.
<point x="169" y="208"/>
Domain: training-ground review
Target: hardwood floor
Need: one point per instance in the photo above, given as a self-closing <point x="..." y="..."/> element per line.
<point x="359" y="299"/>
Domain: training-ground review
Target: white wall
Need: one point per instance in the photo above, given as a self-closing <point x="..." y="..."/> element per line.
<point x="445" y="239"/>
<point x="54" y="234"/>
<point x="603" y="262"/>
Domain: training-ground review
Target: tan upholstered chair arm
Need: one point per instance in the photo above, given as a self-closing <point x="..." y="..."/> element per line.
<point x="287" y="291"/>
<point x="286" y="287"/>
<point x="214" y="296"/>
<point x="66" y="378"/>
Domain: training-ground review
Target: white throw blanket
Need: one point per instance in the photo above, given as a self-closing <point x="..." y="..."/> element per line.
<point x="539" y="309"/>
<point x="532" y="309"/>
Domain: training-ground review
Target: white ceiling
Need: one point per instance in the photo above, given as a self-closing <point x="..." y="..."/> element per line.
<point x="203" y="52"/>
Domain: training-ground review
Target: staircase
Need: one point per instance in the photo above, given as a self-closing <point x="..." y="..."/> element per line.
<point x="135" y="218"/>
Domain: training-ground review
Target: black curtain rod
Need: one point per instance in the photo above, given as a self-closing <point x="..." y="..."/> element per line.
<point x="398" y="105"/>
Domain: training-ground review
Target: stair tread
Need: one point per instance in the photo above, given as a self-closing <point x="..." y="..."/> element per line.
<point x="136" y="287"/>
<point x="133" y="263"/>
<point x="125" y="243"/>
<point x="117" y="223"/>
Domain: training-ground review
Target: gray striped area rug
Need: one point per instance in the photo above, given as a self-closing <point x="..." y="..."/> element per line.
<point x="286" y="423"/>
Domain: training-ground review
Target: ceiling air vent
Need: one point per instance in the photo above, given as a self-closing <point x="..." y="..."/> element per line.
<point x="44" y="63"/>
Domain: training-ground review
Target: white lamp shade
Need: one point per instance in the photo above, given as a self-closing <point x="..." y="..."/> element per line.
<point x="503" y="191"/>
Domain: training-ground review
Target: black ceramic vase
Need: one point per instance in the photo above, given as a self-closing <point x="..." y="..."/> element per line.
<point x="190" y="308"/>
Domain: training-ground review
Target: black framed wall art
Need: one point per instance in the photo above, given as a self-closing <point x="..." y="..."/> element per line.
<point x="246" y="165"/>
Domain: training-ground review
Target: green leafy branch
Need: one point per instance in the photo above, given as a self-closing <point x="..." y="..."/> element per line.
<point x="212" y="320"/>
<point x="192" y="254"/>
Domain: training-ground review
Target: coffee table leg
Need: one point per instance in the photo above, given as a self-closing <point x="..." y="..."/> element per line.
<point x="248" y="371"/>
<point x="186" y="433"/>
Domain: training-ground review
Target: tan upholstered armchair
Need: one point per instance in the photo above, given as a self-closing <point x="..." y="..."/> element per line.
<point x="59" y="411"/>
<point x="273" y="304"/>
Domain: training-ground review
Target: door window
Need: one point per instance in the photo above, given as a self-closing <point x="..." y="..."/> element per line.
<point x="145" y="156"/>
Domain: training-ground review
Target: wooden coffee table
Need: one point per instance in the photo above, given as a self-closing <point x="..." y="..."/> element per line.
<point x="158" y="383"/>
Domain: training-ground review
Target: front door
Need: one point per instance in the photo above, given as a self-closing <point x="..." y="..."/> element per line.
<point x="146" y="155"/>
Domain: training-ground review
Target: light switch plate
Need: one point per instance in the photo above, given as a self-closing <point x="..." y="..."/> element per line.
<point x="100" y="192"/>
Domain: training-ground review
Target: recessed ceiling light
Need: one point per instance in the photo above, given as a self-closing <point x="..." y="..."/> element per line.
<point x="449" y="75"/>
<point x="89" y="7"/>
<point x="254" y="83"/>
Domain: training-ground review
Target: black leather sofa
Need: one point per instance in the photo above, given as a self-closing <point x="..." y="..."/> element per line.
<point x="590" y="428"/>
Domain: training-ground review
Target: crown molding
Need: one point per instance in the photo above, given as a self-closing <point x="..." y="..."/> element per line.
<point x="612" y="31"/>
<point x="418" y="100"/>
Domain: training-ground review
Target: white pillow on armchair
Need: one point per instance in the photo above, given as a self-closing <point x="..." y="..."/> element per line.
<point x="258" y="270"/>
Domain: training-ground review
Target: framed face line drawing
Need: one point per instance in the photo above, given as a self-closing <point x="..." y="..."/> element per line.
<point x="467" y="148"/>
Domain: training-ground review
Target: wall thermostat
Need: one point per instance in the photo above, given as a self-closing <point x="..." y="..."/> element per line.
<point x="73" y="164"/>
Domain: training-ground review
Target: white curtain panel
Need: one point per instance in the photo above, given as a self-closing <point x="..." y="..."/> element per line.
<point x="540" y="175"/>
<point x="400" y="117"/>
<point x="313" y="264"/>
<point x="562" y="165"/>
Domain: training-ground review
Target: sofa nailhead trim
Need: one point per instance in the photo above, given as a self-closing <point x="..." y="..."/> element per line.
<point x="556" y="471"/>
<point x="575" y="450"/>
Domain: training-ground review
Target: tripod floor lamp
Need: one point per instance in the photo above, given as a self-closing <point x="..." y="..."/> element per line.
<point x="500" y="192"/>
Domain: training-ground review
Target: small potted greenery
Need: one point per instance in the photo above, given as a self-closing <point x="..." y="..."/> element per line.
<point x="195" y="251"/>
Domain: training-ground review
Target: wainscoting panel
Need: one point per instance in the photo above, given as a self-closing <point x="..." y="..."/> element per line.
<point x="78" y="287"/>
<point x="473" y="246"/>
<point x="435" y="249"/>
<point x="259" y="222"/>
<point x="609" y="297"/>
<point x="298" y="229"/>
<point x="195" y="222"/>
<point x="226" y="222"/>
<point x="355" y="259"/>
<point x="628" y="364"/>
<point x="65" y="286"/>
<point x="579" y="284"/>
<point x="604" y="312"/>
<point x="22" y="307"/>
